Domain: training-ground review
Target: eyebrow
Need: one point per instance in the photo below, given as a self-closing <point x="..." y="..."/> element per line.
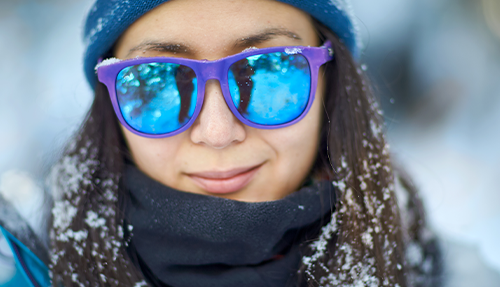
<point x="252" y="40"/>
<point x="264" y="36"/>
<point x="161" y="47"/>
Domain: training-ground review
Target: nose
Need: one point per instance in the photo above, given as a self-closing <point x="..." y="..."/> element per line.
<point x="216" y="126"/>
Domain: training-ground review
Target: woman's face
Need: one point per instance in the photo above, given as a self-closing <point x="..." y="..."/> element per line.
<point x="218" y="155"/>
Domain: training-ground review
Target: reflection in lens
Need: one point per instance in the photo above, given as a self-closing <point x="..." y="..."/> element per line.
<point x="270" y="89"/>
<point x="156" y="98"/>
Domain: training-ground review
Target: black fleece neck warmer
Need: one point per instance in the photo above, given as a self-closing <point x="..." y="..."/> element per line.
<point x="184" y="239"/>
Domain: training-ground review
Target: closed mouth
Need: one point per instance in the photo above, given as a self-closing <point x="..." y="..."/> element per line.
<point x="224" y="182"/>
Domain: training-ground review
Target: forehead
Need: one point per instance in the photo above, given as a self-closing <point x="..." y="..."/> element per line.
<point x="214" y="26"/>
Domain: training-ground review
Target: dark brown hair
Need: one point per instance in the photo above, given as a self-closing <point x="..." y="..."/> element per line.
<point x="365" y="242"/>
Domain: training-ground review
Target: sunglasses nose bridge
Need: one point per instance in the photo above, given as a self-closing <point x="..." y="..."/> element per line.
<point x="212" y="70"/>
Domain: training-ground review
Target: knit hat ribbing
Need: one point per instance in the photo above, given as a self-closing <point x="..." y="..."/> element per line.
<point x="108" y="19"/>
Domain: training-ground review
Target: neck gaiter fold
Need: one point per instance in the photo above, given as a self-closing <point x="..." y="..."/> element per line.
<point x="185" y="239"/>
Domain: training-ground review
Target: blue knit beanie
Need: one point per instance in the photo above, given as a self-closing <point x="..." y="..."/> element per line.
<point x="108" y="19"/>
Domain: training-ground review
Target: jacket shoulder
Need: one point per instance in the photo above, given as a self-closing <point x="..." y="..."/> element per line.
<point x="25" y="263"/>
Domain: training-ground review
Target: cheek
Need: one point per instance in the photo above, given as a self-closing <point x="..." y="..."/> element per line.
<point x="296" y="146"/>
<point x="302" y="137"/>
<point x="155" y="157"/>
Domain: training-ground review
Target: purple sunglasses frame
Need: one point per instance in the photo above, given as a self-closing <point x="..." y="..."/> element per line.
<point x="207" y="70"/>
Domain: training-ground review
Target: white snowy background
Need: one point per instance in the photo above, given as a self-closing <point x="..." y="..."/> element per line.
<point x="436" y="64"/>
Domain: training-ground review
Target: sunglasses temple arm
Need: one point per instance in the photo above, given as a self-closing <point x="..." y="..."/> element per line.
<point x="329" y="51"/>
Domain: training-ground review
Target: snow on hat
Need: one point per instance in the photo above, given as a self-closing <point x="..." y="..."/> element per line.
<point x="108" y="19"/>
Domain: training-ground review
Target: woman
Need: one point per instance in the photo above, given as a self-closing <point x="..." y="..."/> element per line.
<point x="209" y="153"/>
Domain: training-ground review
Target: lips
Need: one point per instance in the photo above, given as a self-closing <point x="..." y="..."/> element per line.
<point x="224" y="182"/>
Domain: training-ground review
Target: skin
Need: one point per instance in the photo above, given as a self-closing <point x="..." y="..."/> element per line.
<point x="218" y="141"/>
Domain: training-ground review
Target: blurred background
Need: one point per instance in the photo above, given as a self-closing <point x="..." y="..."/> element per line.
<point x="436" y="66"/>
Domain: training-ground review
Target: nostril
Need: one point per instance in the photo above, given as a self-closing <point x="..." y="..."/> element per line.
<point x="218" y="140"/>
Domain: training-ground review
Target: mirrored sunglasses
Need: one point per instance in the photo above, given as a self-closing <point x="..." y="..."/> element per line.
<point x="264" y="88"/>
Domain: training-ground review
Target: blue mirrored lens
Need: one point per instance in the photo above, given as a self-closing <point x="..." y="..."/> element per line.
<point x="157" y="98"/>
<point x="270" y="89"/>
